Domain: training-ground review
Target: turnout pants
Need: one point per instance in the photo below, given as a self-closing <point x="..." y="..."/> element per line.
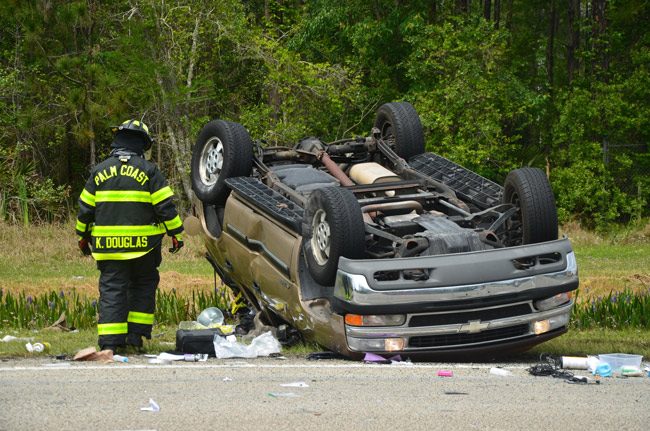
<point x="127" y="297"/>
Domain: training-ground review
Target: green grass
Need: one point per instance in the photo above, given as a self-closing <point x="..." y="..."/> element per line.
<point x="596" y="341"/>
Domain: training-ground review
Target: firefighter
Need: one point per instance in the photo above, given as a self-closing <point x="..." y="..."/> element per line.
<point x="125" y="210"/>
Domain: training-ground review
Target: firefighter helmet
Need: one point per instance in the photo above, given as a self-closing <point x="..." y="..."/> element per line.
<point x="135" y="126"/>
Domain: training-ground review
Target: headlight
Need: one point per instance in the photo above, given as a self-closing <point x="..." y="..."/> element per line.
<point x="553" y="301"/>
<point x="376" y="344"/>
<point x="375" y="319"/>
<point x="551" y="323"/>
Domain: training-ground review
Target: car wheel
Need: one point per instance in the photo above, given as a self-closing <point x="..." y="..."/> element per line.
<point x="222" y="150"/>
<point x="536" y="220"/>
<point x="401" y="122"/>
<point x="332" y="227"/>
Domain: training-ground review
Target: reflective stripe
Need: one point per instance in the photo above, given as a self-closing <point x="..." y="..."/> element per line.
<point x="112" y="328"/>
<point x="87" y="198"/>
<point x="145" y="230"/>
<point x="81" y="227"/>
<point x="127" y="255"/>
<point x="123" y="196"/>
<point x="143" y="318"/>
<point x="174" y="223"/>
<point x="161" y="195"/>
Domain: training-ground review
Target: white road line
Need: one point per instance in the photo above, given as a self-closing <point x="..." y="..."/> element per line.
<point x="44" y="367"/>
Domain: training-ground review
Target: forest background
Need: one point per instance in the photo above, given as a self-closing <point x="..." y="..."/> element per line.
<point x="563" y="85"/>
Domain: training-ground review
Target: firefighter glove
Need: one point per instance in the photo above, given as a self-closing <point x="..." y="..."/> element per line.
<point x="84" y="246"/>
<point x="177" y="244"/>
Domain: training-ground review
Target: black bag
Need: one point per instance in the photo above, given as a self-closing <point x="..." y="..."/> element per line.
<point x="196" y="340"/>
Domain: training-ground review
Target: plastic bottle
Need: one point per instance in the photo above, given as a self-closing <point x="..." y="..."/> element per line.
<point x="120" y="358"/>
<point x="189" y="357"/>
<point x="210" y="317"/>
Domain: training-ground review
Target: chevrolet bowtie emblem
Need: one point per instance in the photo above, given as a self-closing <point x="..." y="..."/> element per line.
<point x="473" y="326"/>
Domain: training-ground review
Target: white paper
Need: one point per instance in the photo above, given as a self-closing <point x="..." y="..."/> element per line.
<point x="152" y="407"/>
<point x="295" y="385"/>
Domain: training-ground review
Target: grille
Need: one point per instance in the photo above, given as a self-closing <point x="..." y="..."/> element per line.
<point x="442" y="340"/>
<point x="464" y="317"/>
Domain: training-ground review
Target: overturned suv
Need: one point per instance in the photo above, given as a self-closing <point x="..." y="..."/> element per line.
<point x="372" y="244"/>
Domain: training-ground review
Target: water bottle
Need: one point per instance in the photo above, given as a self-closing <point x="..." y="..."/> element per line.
<point x="120" y="358"/>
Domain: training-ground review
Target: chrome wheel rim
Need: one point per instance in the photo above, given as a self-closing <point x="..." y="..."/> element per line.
<point x="211" y="161"/>
<point x="320" y="238"/>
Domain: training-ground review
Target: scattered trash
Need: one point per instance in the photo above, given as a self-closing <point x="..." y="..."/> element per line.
<point x="197" y="340"/>
<point x="550" y="366"/>
<point x="575" y="363"/>
<point x="192" y="325"/>
<point x="283" y="395"/>
<point x="631" y="371"/>
<point x="226" y="379"/>
<point x="295" y="385"/>
<point x="317" y="356"/>
<point x="583" y="380"/>
<point x="603" y="369"/>
<point x="120" y="358"/>
<point x="91" y="354"/>
<point x="156" y="361"/>
<point x="37" y="347"/>
<point x="445" y="373"/>
<point x="618" y="360"/>
<point x="455" y="393"/>
<point x="59" y="325"/>
<point x="497" y="371"/>
<point x="277" y="356"/>
<point x="152" y="407"/>
<point x="210" y="317"/>
<point x="187" y="357"/>
<point x="262" y="345"/>
<point x="9" y="338"/>
<point x="372" y="358"/>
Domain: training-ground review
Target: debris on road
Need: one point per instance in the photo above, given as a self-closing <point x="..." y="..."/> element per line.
<point x="295" y="385"/>
<point x="445" y="373"/>
<point x="497" y="371"/>
<point x="283" y="395"/>
<point x="152" y="407"/>
<point x="262" y="345"/>
<point x="91" y="354"/>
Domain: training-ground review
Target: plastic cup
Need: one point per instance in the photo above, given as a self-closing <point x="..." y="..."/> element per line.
<point x="210" y="317"/>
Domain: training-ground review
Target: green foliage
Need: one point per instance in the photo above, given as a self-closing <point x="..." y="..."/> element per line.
<point x="616" y="310"/>
<point x="35" y="312"/>
<point x="494" y="93"/>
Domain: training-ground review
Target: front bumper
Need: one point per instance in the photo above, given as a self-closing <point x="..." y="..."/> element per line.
<point x="448" y="313"/>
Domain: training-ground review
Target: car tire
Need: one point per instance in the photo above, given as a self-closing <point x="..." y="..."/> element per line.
<point x="401" y="121"/>
<point x="223" y="150"/>
<point x="332" y="227"/>
<point x="530" y="191"/>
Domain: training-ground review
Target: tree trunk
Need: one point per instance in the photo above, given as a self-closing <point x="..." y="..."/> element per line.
<point x="487" y="9"/>
<point x="599" y="28"/>
<point x="497" y="13"/>
<point x="550" y="44"/>
<point x="574" y="39"/>
<point x="462" y="7"/>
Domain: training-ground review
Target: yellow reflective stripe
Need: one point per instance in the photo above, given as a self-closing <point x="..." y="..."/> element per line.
<point x="112" y="328"/>
<point x="161" y="195"/>
<point x="174" y="223"/>
<point x="143" y="318"/>
<point x="81" y="227"/>
<point x="87" y="198"/>
<point x="123" y="196"/>
<point x="128" y="255"/>
<point x="144" y="230"/>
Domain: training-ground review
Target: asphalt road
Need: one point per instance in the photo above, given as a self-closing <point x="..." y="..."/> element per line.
<point x="341" y="395"/>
